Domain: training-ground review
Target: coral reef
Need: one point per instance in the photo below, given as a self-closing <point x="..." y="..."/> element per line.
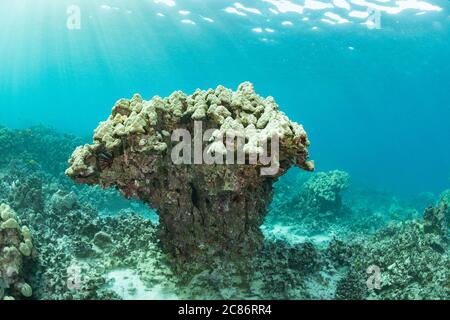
<point x="28" y="193"/>
<point x="88" y="246"/>
<point x="203" y="209"/>
<point x="310" y="203"/>
<point x="276" y="271"/>
<point x="321" y="193"/>
<point x="85" y="245"/>
<point x="38" y="147"/>
<point x="445" y="198"/>
<point x="318" y="196"/>
<point x="64" y="220"/>
<point x="413" y="258"/>
<point x="16" y="246"/>
<point x="316" y="206"/>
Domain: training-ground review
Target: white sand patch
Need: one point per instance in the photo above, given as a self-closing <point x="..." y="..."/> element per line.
<point x="291" y="235"/>
<point x="126" y="284"/>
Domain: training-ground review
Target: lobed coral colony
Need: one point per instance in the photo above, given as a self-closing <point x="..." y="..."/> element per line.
<point x="16" y="245"/>
<point x="322" y="192"/>
<point x="203" y="208"/>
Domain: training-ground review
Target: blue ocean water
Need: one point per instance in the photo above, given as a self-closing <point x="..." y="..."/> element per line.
<point x="374" y="99"/>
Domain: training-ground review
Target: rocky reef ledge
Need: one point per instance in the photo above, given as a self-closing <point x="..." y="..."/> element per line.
<point x="204" y="208"/>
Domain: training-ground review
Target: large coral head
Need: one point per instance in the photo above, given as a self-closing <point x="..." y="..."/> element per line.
<point x="175" y="153"/>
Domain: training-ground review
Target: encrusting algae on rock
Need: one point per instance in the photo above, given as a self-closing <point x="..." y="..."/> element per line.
<point x="203" y="209"/>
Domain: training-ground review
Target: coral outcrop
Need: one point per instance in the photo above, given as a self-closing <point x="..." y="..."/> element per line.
<point x="312" y="203"/>
<point x="16" y="245"/>
<point x="322" y="191"/>
<point x="203" y="208"/>
<point x="413" y="258"/>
